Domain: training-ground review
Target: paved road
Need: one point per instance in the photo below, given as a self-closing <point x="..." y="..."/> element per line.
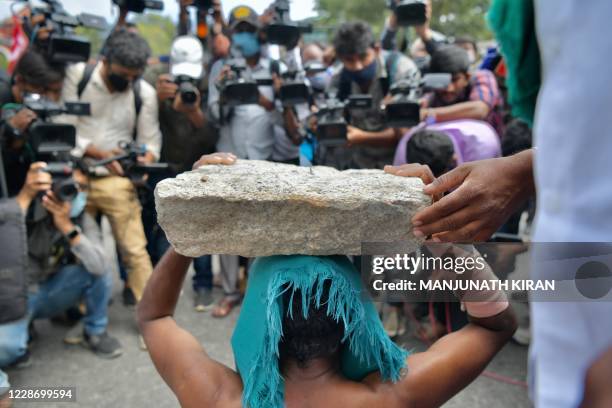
<point x="131" y="380"/>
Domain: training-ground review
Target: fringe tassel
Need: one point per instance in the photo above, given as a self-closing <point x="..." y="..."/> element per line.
<point x="366" y="337"/>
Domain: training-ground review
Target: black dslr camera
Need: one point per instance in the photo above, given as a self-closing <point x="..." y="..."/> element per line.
<point x="129" y="162"/>
<point x="63" y="45"/>
<point x="404" y="110"/>
<point x="282" y="31"/>
<point x="239" y="88"/>
<point x="52" y="142"/>
<point x="187" y="89"/>
<point x="332" y="118"/>
<point x="409" y="12"/>
<point x="139" y="6"/>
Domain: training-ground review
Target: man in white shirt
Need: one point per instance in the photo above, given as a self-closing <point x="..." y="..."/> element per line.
<point x="123" y="109"/>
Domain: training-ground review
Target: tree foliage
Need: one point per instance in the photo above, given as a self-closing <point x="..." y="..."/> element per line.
<point x="159" y="31"/>
<point x="451" y="17"/>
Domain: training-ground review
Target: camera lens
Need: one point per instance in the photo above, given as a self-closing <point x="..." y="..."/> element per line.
<point x="188" y="93"/>
<point x="65" y="190"/>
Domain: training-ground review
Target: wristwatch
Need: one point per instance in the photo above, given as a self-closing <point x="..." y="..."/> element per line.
<point x="73" y="233"/>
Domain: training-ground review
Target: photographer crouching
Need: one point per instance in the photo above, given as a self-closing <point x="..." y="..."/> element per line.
<point x="65" y="262"/>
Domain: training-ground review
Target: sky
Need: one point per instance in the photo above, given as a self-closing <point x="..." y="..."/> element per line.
<point x="300" y="9"/>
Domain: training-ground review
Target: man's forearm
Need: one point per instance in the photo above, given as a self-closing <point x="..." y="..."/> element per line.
<point x="164" y="287"/>
<point x="465" y="110"/>
<point x="197" y="118"/>
<point x="387" y="137"/>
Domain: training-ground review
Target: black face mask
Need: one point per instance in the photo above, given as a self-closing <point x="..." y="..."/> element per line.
<point x="118" y="82"/>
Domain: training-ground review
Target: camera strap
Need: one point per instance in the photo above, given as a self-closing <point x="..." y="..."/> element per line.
<point x="88" y="72"/>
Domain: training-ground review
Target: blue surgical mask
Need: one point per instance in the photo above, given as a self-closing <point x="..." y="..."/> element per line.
<point x="77" y="206"/>
<point x="363" y="76"/>
<point x="319" y="81"/>
<point x="247" y="42"/>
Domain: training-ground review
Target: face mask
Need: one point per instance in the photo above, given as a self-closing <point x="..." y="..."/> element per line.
<point x="319" y="81"/>
<point x="247" y="42"/>
<point x="118" y="82"/>
<point x="78" y="204"/>
<point x="364" y="75"/>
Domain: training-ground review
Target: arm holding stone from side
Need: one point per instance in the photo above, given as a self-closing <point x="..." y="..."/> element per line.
<point x="177" y="355"/>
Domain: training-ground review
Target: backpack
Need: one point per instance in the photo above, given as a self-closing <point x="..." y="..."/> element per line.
<point x="391" y="61"/>
<point x="88" y="72"/>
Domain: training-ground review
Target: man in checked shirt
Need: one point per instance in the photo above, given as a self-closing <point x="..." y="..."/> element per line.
<point x="469" y="95"/>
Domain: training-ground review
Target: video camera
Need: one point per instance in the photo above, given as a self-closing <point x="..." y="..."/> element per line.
<point x="409" y="12"/>
<point x="128" y="160"/>
<point x="53" y="142"/>
<point x="404" y="110"/>
<point x="239" y="87"/>
<point x="187" y="89"/>
<point x="64" y="46"/>
<point x="282" y="31"/>
<point x="332" y="118"/>
<point x="139" y="6"/>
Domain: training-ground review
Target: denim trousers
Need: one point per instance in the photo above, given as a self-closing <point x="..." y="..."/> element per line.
<point x="59" y="292"/>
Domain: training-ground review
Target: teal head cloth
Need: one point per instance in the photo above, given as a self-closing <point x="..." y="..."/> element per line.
<point x="367" y="348"/>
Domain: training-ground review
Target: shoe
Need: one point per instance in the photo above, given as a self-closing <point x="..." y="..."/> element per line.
<point x="23" y="361"/>
<point x="103" y="345"/>
<point x="203" y="300"/>
<point x="74" y="336"/>
<point x="129" y="299"/>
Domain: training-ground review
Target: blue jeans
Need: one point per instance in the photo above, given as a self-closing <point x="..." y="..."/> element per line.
<point x="62" y="290"/>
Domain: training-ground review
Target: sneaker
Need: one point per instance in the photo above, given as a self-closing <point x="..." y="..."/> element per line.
<point x="23" y="361"/>
<point x="74" y="336"/>
<point x="103" y="345"/>
<point x="129" y="299"/>
<point x="203" y="300"/>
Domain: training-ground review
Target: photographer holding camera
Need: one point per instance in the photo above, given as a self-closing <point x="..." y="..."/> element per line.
<point x="123" y="109"/>
<point x="469" y="95"/>
<point x="246" y="130"/>
<point x="368" y="70"/>
<point x="67" y="264"/>
<point x="182" y="91"/>
<point x="33" y="75"/>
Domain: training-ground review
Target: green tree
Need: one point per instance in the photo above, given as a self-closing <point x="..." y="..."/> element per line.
<point x="451" y="17"/>
<point x="159" y="31"/>
<point x="95" y="37"/>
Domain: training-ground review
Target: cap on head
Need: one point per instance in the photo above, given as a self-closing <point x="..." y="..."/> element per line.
<point x="187" y="57"/>
<point x="243" y="14"/>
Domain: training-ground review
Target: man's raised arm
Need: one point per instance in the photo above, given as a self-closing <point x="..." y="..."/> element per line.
<point x="193" y="376"/>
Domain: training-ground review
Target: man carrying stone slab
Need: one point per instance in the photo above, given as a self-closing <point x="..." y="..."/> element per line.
<point x="305" y="336"/>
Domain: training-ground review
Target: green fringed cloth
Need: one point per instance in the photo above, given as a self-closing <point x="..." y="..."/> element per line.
<point x="367" y="348"/>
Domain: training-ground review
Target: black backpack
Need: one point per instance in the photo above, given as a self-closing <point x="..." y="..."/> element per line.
<point x="88" y="72"/>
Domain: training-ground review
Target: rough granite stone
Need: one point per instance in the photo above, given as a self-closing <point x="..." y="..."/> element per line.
<point x="259" y="208"/>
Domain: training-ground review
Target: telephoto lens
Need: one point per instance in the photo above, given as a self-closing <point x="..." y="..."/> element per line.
<point x="188" y="92"/>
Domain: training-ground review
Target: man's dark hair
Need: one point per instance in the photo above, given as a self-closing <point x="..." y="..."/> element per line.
<point x="517" y="137"/>
<point x="449" y="59"/>
<point x="353" y="39"/>
<point x="317" y="336"/>
<point x="128" y="49"/>
<point x="431" y="147"/>
<point x="34" y="69"/>
<point x="466" y="40"/>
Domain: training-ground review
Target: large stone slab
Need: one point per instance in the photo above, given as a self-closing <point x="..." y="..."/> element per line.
<point x="258" y="208"/>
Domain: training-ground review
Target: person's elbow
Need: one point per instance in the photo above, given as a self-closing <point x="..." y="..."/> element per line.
<point x="481" y="110"/>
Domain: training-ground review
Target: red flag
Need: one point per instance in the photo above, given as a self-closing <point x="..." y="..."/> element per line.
<point x="18" y="45"/>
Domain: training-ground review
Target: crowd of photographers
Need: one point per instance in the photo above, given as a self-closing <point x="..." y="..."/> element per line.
<point x="86" y="138"/>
